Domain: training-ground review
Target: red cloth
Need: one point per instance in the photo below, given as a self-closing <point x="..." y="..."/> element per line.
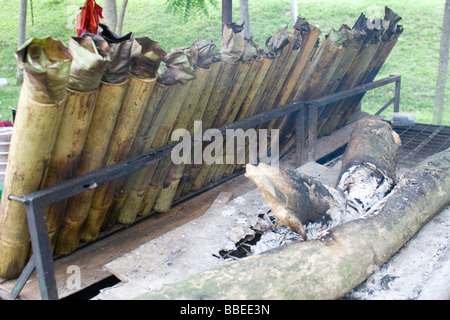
<point x="89" y="18"/>
<point x="6" y="123"/>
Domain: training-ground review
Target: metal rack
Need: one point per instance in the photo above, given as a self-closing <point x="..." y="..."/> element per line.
<point x="306" y="116"/>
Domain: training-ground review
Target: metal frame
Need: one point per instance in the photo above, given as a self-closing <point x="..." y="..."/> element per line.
<point x="35" y="202"/>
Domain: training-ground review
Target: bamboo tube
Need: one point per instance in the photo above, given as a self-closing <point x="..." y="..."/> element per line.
<point x="223" y="111"/>
<point x="265" y="97"/>
<point x="316" y="78"/>
<point x="247" y="108"/>
<point x="161" y="128"/>
<point x="141" y="144"/>
<point x="69" y="144"/>
<point x="351" y="47"/>
<point x="223" y="86"/>
<point x="373" y="69"/>
<point x="388" y="40"/>
<point x="102" y="123"/>
<point x="46" y="64"/>
<point x="130" y="115"/>
<point x="163" y="116"/>
<point x="85" y="77"/>
<point x="350" y="79"/>
<point x="293" y="79"/>
<point x="201" y="89"/>
<point x="184" y="120"/>
<point x="280" y="70"/>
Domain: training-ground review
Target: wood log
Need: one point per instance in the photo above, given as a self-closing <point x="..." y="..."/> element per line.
<point x="329" y="267"/>
<point x="369" y="163"/>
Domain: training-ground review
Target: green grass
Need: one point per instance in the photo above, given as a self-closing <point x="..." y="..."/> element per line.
<point x="415" y="56"/>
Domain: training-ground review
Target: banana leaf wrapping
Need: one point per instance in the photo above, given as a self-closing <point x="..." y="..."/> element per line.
<point x="145" y="58"/>
<point x="119" y="66"/>
<point x="177" y="68"/>
<point x="88" y="64"/>
<point x="46" y="64"/>
<point x="276" y="43"/>
<point x="202" y="53"/>
<point x="233" y="43"/>
<point x="86" y="72"/>
<point x="250" y="51"/>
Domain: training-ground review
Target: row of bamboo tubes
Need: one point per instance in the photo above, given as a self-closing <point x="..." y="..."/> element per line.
<point x="60" y="134"/>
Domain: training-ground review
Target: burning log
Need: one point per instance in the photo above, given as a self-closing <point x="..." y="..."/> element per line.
<point x="46" y="64"/>
<point x="334" y="264"/>
<point x="367" y="175"/>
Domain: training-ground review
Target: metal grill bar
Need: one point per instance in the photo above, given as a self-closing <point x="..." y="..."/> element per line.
<point x="420" y="141"/>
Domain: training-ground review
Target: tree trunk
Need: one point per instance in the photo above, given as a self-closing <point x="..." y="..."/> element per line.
<point x="329" y="267"/>
<point x="227" y="7"/>
<point x="439" y="99"/>
<point x="294" y="11"/>
<point x="121" y="17"/>
<point x="111" y="14"/>
<point x="22" y="35"/>
<point x="243" y="11"/>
